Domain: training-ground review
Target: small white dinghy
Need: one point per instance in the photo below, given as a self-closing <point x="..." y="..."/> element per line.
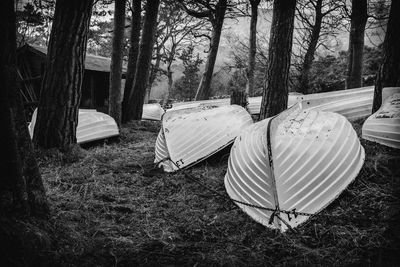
<point x="200" y="103"/>
<point x="315" y="156"/>
<point x="383" y="126"/>
<point x="351" y="103"/>
<point x="189" y="136"/>
<point x="92" y="126"/>
<point x="253" y="107"/>
<point x="152" y="112"/>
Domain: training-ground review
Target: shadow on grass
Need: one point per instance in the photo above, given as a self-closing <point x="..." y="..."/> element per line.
<point x="108" y="212"/>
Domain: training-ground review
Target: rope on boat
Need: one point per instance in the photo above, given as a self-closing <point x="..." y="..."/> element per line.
<point x="275" y="212"/>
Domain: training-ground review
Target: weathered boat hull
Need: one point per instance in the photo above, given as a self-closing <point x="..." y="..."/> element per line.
<point x="351" y="103"/>
<point x="162" y="157"/>
<point x="188" y="136"/>
<point x="253" y="107"/>
<point x="152" y="112"/>
<point x="92" y="126"/>
<point x="200" y="103"/>
<point x="383" y="126"/>
<point x="315" y="156"/>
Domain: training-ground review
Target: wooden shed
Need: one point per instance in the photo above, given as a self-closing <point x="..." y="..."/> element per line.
<point x="95" y="86"/>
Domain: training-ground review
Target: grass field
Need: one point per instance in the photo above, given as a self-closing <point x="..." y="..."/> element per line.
<point x="110" y="208"/>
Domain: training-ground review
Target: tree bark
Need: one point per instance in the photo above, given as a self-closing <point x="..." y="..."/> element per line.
<point x="389" y="71"/>
<point x="252" y="47"/>
<point x="132" y="58"/>
<point x="204" y="89"/>
<point x="13" y="196"/>
<point x="275" y="91"/>
<point x="170" y="83"/>
<point x="358" y="21"/>
<point x="22" y="195"/>
<point x="61" y="87"/>
<point x="170" y="60"/>
<point x="21" y="188"/>
<point x="153" y="75"/>
<point x="136" y="98"/>
<point x="304" y="81"/>
<point x="115" y="94"/>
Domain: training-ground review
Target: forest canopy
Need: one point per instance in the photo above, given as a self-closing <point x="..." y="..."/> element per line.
<point x="35" y="18"/>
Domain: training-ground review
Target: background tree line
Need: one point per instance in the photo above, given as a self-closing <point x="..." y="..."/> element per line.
<point x="155" y="34"/>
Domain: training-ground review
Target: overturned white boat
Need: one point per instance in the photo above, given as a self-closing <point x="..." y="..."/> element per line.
<point x="351" y="103"/>
<point x="152" y="112"/>
<point x="188" y="136"/>
<point x="383" y="126"/>
<point x="293" y="166"/>
<point x="253" y="107"/>
<point x="92" y="126"/>
<point x="200" y="104"/>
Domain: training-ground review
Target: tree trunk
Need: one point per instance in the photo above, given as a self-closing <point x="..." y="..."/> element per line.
<point x="132" y="58"/>
<point x="389" y="71"/>
<point x="22" y="195"/>
<point x="147" y="94"/>
<point x="275" y="91"/>
<point x="252" y="47"/>
<point x="239" y="97"/>
<point x="136" y="97"/>
<point x="13" y="196"/>
<point x="358" y="21"/>
<point x="170" y="83"/>
<point x="204" y="89"/>
<point x="304" y="82"/>
<point x="61" y="87"/>
<point x="153" y="75"/>
<point x="115" y="94"/>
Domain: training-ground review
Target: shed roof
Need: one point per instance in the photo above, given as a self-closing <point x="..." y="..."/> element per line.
<point x="92" y="62"/>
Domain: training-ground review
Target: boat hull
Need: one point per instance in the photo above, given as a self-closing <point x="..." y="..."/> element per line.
<point x="188" y="136"/>
<point x="351" y="103"/>
<point x="152" y="112"/>
<point x="253" y="107"/>
<point x="315" y="156"/>
<point x="92" y="126"/>
<point x="383" y="126"/>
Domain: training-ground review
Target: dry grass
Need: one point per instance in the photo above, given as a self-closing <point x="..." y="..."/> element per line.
<point x="108" y="209"/>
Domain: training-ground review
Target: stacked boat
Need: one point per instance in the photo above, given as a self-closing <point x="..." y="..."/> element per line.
<point x="292" y="165"/>
<point x="190" y="135"/>
<point x="92" y="126"/>
<point x="383" y="126"/>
